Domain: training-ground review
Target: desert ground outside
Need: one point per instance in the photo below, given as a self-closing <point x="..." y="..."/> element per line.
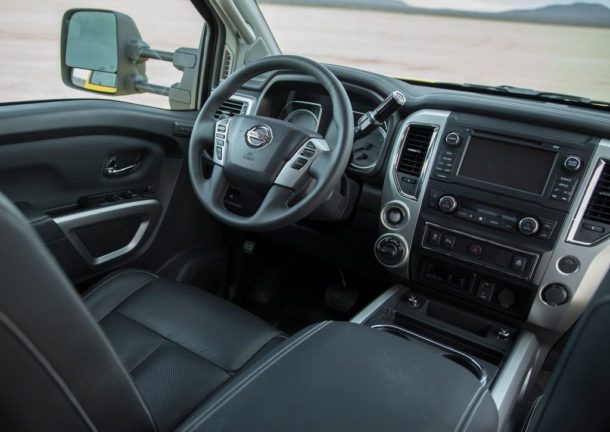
<point x="565" y="59"/>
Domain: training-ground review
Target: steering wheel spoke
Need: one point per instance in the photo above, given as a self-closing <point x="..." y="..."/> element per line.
<point x="295" y="171"/>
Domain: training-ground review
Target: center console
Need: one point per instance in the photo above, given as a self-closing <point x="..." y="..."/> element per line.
<point x="496" y="231"/>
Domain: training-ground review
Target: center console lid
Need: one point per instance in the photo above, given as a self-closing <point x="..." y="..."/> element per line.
<point x="337" y="376"/>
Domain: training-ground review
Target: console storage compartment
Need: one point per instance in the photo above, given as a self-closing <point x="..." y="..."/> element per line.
<point x="348" y="377"/>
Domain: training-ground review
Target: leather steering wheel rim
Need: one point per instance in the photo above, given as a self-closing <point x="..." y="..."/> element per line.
<point x="326" y="168"/>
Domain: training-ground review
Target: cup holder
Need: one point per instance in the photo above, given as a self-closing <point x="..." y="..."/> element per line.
<point x="449" y="353"/>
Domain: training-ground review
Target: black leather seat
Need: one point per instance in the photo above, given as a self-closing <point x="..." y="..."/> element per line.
<point x="142" y="354"/>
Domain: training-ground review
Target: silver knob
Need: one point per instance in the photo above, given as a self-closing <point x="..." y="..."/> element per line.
<point x="529" y="225"/>
<point x="448" y="204"/>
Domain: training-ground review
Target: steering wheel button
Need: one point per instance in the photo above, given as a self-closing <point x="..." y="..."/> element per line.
<point x="307" y="152"/>
<point x="221" y="128"/>
<point x="219" y="153"/>
<point x="220" y="135"/>
<point x="220" y="142"/>
<point x="310" y="145"/>
<point x="299" y="163"/>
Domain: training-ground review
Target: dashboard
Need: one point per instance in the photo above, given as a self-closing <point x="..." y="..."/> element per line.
<point x="497" y="205"/>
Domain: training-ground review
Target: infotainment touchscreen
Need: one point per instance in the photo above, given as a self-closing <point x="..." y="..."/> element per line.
<point x="510" y="165"/>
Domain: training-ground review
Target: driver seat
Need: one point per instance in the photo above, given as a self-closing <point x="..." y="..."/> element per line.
<point x="138" y="353"/>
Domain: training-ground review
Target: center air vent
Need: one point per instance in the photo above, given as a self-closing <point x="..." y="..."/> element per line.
<point x="412" y="157"/>
<point x="598" y="209"/>
<point x="594" y="225"/>
<point x="230" y="108"/>
<point x="415" y="149"/>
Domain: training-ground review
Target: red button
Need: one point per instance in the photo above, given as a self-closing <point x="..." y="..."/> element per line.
<point x="475" y="250"/>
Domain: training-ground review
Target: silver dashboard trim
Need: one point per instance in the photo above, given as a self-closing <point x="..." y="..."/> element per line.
<point x="148" y="209"/>
<point x="375" y="305"/>
<point x="594" y="261"/>
<point x="437" y="119"/>
<point x="512" y="377"/>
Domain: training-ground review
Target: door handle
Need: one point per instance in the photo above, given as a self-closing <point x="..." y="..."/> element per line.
<point x="112" y="169"/>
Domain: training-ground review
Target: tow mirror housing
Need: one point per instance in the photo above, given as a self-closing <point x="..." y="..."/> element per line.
<point x="95" y="52"/>
<point x="102" y="52"/>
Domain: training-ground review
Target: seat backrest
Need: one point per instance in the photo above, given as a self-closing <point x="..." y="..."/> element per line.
<point x="577" y="397"/>
<point x="57" y="370"/>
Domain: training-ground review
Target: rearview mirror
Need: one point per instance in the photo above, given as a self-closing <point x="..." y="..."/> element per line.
<point x="95" y="52"/>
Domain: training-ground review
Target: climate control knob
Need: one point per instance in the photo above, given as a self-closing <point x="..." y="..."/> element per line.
<point x="391" y="250"/>
<point x="448" y="204"/>
<point x="529" y="225"/>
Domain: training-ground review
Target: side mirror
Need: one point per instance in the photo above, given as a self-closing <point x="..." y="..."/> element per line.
<point x="95" y="52"/>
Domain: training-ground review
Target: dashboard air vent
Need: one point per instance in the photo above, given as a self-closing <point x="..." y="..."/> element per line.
<point x="414" y="149"/>
<point x="230" y="108"/>
<point x="598" y="209"/>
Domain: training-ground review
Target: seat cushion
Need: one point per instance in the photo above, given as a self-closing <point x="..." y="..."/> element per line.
<point x="178" y="343"/>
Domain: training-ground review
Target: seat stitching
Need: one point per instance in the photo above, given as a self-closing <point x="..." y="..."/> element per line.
<point x="104" y="282"/>
<point x="46" y="366"/>
<point x="169" y="340"/>
<point x="255" y="373"/>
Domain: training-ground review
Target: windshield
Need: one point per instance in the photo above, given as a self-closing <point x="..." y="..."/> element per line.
<point x="548" y="45"/>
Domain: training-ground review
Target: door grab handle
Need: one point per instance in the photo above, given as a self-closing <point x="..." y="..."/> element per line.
<point x="110" y="169"/>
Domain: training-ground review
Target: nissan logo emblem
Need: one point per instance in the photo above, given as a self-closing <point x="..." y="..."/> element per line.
<point x="259" y="136"/>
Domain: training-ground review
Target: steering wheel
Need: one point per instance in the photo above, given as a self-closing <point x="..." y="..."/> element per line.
<point x="295" y="169"/>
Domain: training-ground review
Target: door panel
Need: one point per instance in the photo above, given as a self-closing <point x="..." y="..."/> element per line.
<point x="95" y="178"/>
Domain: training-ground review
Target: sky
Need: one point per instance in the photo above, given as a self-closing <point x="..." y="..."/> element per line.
<point x="494" y="5"/>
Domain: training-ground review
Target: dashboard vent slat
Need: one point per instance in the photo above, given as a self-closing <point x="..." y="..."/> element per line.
<point x="230" y="108"/>
<point x="415" y="149"/>
<point x="598" y="209"/>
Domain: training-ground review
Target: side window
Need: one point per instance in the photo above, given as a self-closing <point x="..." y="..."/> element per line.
<point x="31" y="62"/>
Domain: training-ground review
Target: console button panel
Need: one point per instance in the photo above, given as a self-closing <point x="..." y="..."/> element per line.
<point x="488" y="254"/>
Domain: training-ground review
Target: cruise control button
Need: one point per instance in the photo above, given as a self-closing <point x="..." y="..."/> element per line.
<point x="219" y="153"/>
<point x="307" y="152"/>
<point x="220" y="142"/>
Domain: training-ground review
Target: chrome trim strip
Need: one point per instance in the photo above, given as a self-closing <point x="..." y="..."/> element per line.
<point x="582" y="209"/>
<point x="375" y="305"/>
<point x="473" y="261"/>
<point x="148" y="209"/>
<point x="513" y="376"/>
<point x="483" y="377"/>
<point x="390" y="192"/>
<point x="424" y="170"/>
